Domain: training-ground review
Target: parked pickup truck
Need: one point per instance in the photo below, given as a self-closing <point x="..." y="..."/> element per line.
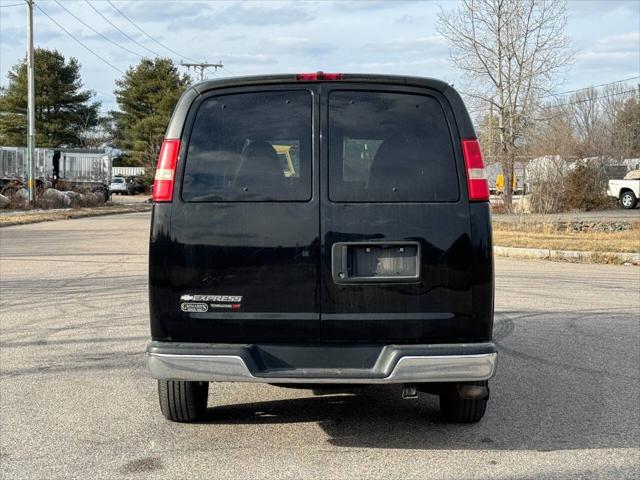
<point x="626" y="191"/>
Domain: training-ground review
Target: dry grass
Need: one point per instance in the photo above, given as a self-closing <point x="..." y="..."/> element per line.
<point x="46" y="216"/>
<point x="564" y="237"/>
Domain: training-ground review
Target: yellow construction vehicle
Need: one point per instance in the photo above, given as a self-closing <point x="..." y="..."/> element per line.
<point x="500" y="183"/>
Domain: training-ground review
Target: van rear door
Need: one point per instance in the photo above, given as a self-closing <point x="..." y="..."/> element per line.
<point x="396" y="251"/>
<point x="241" y="263"/>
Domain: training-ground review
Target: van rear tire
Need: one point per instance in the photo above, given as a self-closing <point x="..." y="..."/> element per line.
<point x="182" y="401"/>
<point x="459" y="410"/>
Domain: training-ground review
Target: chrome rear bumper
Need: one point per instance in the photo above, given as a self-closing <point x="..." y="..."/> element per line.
<point x="395" y="364"/>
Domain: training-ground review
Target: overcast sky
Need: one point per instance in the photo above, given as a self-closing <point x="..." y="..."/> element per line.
<point x="270" y="37"/>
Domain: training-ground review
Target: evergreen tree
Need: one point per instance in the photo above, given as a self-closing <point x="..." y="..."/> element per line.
<point x="63" y="110"/>
<point x="146" y="96"/>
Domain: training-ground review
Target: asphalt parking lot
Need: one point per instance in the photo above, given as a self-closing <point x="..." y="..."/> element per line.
<point x="75" y="400"/>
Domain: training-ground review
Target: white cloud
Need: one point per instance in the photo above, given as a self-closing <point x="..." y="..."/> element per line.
<point x="617" y="53"/>
<point x="409" y="45"/>
<point x="627" y="42"/>
<point x="598" y="7"/>
<point x="288" y="36"/>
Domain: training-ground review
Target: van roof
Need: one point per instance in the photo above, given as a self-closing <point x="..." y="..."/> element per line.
<point x="345" y="77"/>
<point x="463" y="121"/>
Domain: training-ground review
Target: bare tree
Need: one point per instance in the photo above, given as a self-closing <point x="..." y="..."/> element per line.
<point x="588" y="122"/>
<point x="615" y="102"/>
<point x="626" y="127"/>
<point x="551" y="143"/>
<point x="553" y="133"/>
<point x="594" y="117"/>
<point x="509" y="52"/>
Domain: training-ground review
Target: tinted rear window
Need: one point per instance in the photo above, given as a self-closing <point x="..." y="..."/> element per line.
<point x="250" y="147"/>
<point x="389" y="147"/>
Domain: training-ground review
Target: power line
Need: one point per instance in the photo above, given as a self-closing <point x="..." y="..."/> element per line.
<point x="76" y="39"/>
<point x="230" y="72"/>
<point x="145" y="33"/>
<point x="121" y="31"/>
<point x="13" y="5"/>
<point x="613" y="94"/>
<point x="591" y="86"/>
<point x="574" y="102"/>
<point x="98" y="33"/>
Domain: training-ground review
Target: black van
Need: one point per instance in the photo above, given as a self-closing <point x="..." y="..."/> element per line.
<point x="321" y="229"/>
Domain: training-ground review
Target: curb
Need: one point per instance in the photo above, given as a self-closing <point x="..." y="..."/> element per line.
<point x="65" y="214"/>
<point x="571" y="255"/>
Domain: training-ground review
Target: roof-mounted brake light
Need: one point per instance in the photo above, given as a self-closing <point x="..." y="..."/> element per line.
<point x="312" y="77"/>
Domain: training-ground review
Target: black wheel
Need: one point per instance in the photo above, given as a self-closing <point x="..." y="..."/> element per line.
<point x="458" y="410"/>
<point x="182" y="401"/>
<point x="628" y="200"/>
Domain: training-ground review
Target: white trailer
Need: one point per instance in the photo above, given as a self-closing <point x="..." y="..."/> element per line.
<point x="76" y="168"/>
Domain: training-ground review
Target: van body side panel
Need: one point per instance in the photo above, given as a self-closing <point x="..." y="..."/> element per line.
<point x="160" y="285"/>
<point x="460" y="114"/>
<point x="483" y="272"/>
<point x="179" y="116"/>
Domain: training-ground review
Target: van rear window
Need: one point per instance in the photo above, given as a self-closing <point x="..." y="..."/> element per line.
<point x="250" y="147"/>
<point x="389" y="147"/>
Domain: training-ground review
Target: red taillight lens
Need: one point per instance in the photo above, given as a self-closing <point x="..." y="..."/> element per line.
<point x="476" y="175"/>
<point x="166" y="171"/>
<point x="312" y="77"/>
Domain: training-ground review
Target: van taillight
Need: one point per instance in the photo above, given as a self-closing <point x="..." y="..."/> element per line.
<point x="166" y="171"/>
<point x="311" y="77"/>
<point x="476" y="175"/>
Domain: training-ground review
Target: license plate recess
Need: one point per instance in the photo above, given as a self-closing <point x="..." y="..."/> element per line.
<point x="375" y="262"/>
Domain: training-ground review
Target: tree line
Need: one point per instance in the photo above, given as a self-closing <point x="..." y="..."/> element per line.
<point x="512" y="54"/>
<point x="68" y="115"/>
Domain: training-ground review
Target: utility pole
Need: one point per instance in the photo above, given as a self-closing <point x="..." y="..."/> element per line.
<point x="201" y="67"/>
<point x="31" y="105"/>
